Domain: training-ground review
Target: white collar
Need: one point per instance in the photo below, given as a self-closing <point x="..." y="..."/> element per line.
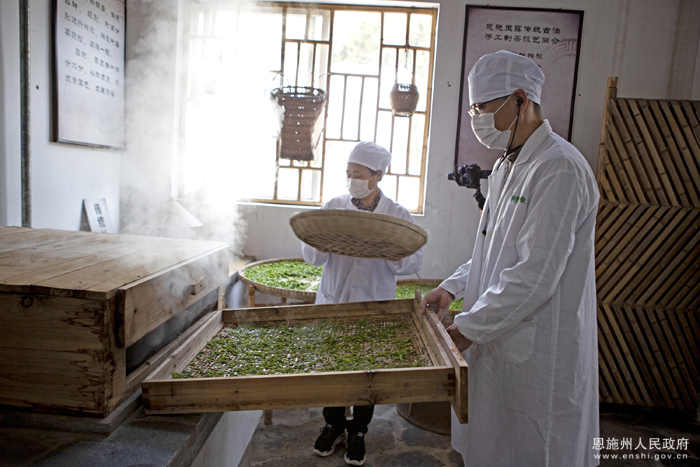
<point x="533" y="142"/>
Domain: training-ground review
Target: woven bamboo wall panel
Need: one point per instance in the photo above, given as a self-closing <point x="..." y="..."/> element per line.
<point x="652" y="148"/>
<point x="648" y="357"/>
<point x="648" y="252"/>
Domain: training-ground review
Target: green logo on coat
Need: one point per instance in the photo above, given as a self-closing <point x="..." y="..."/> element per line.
<point x="517" y="199"/>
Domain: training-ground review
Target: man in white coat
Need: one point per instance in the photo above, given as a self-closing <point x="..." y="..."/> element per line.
<point x="529" y="314"/>
<point x="349" y="279"/>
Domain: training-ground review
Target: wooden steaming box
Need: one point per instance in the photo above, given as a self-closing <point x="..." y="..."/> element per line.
<point x="72" y="303"/>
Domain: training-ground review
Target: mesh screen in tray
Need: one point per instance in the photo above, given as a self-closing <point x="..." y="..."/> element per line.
<point x="310" y="346"/>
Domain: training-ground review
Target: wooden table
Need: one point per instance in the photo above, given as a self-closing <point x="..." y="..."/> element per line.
<point x="71" y="303"/>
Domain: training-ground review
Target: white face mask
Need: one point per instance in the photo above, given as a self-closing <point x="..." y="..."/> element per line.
<point x="359" y="188"/>
<point x="485" y="130"/>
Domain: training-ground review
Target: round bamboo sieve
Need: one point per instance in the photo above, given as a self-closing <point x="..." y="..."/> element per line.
<point x="308" y="297"/>
<point x="358" y="233"/>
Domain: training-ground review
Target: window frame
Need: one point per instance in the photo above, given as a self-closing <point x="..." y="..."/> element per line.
<point x="431" y="10"/>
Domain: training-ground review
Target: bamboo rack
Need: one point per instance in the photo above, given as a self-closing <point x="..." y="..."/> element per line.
<point x="648" y="252"/>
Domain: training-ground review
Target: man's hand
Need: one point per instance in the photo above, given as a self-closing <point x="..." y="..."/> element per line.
<point x="460" y="341"/>
<point x="438" y="300"/>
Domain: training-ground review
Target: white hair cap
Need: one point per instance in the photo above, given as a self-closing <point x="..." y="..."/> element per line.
<point x="371" y="155"/>
<point x="502" y="73"/>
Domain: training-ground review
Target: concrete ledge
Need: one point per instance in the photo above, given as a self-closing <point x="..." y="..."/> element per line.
<point x="11" y="417"/>
<point x="174" y="440"/>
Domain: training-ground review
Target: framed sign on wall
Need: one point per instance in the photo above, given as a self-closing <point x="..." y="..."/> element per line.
<point x="551" y="38"/>
<point x="89" y="72"/>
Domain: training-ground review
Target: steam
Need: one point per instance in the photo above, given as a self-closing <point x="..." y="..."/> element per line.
<point x="198" y="129"/>
<point x="196" y="135"/>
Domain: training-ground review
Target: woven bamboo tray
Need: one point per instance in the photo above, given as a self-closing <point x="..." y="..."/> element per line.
<point x="358" y="233"/>
<point x="308" y="297"/>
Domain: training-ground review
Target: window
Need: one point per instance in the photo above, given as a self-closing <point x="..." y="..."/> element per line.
<point x="354" y="53"/>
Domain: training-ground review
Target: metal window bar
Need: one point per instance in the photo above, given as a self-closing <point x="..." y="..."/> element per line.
<point x="307" y="26"/>
<point x="342" y="114"/>
<point x="379" y="74"/>
<point x="296" y="76"/>
<point x="325" y="113"/>
<point x="426" y="124"/>
<point x="300" y="166"/>
<point x="359" y="114"/>
<point x="426" y="113"/>
<point x="413" y="78"/>
<point x="283" y="50"/>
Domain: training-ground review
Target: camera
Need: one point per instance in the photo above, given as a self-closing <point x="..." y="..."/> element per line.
<point x="469" y="176"/>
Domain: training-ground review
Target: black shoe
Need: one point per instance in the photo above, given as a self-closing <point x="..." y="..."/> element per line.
<point x="355" y="455"/>
<point x="328" y="439"/>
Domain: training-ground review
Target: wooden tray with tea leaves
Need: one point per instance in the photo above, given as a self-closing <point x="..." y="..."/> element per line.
<point x="297" y="356"/>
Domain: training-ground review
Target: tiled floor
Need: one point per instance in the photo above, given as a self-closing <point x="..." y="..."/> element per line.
<point x="393" y="442"/>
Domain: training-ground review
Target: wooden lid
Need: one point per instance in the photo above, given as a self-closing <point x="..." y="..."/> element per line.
<point x="87" y="264"/>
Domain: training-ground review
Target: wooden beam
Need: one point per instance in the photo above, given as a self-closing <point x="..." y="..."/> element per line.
<point x="460" y="401"/>
<point x="282" y="313"/>
<point x="392" y="386"/>
<point x="188" y="348"/>
<point x="610" y="94"/>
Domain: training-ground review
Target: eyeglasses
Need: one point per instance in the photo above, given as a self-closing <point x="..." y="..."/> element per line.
<point x="477" y="110"/>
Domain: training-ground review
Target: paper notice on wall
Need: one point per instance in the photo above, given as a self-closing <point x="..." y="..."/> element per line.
<point x="98" y="215"/>
<point x="89" y="51"/>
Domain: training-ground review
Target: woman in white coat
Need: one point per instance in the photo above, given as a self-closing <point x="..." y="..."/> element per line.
<point x="529" y="314"/>
<point x="349" y="279"/>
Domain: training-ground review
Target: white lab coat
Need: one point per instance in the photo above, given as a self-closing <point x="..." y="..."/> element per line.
<point x="530" y="309"/>
<point x="348" y="279"/>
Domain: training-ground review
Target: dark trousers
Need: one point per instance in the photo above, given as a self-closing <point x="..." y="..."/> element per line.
<point x="361" y="416"/>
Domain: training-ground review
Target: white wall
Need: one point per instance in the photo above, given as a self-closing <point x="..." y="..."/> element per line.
<point x="62" y="174"/>
<point x="652" y="45"/>
<point x="228" y="442"/>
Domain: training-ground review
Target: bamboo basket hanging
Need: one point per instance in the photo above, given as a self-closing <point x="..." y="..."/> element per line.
<point x="302" y="107"/>
<point x="404" y="99"/>
<point x="404" y="96"/>
<point x="358" y="233"/>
